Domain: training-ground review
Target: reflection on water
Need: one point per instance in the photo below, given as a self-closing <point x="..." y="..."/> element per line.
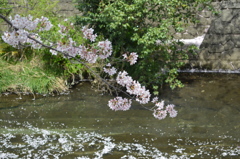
<point x="80" y="125"/>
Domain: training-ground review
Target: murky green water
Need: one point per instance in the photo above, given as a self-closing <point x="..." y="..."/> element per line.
<point x="80" y="125"/>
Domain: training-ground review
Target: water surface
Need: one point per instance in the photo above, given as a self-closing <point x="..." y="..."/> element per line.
<point x="80" y="124"/>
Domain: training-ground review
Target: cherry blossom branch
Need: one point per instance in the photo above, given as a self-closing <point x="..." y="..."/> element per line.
<point x="66" y="55"/>
<point x="20" y="35"/>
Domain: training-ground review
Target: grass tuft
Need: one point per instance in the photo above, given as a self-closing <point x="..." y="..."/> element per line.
<point x="31" y="76"/>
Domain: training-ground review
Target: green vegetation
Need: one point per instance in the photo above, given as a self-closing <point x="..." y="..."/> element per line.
<point x="37" y="71"/>
<point x="30" y="76"/>
<point x="136" y="26"/>
<point x="5" y="8"/>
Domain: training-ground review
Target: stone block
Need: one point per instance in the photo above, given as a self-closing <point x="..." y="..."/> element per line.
<point x="192" y="31"/>
<point x="237" y="44"/>
<point x="236" y="38"/>
<point x="214" y="56"/>
<point x="218" y="48"/>
<point x="236" y="23"/>
<point x="235" y="54"/>
<point x="230" y="5"/>
<point x="218" y="39"/>
<point x="217" y="26"/>
<point x="202" y="54"/>
<point x="229" y="46"/>
<point x="187" y="36"/>
<point x="65" y="1"/>
<point x="206" y="14"/>
<point x="226" y="15"/>
<point x="228" y="29"/>
<point x="202" y="29"/>
<point x="204" y="21"/>
<point x="66" y="7"/>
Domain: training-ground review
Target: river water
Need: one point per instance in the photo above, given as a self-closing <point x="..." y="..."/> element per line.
<point x="80" y="125"/>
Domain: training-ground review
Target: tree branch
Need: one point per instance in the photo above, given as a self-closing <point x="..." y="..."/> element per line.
<point x="69" y="56"/>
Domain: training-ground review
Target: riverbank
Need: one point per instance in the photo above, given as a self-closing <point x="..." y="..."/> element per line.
<point x="30" y="73"/>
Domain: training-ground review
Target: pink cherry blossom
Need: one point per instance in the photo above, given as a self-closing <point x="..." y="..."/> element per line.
<point x="45" y="24"/>
<point x="120" y="103"/>
<point x="20" y="35"/>
<point x="14" y="38"/>
<point x="133" y="87"/>
<point x="88" y="54"/>
<point x="123" y="79"/>
<point x="160" y="114"/>
<point x="160" y="105"/>
<point x="24" y="22"/>
<point x="88" y="34"/>
<point x="110" y="70"/>
<point x="33" y="43"/>
<point x="170" y="109"/>
<point x="132" y="58"/>
<point x="67" y="48"/>
<point x="143" y="96"/>
<point x="155" y="99"/>
<point x="63" y="29"/>
<point x="105" y="49"/>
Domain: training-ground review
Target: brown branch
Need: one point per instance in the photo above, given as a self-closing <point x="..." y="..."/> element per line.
<point x="7" y="21"/>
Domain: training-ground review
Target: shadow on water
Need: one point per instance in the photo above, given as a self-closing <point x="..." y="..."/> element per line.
<point x="80" y="125"/>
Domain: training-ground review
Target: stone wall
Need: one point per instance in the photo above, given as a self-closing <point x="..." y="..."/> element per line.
<point x="221" y="46"/>
<point x="67" y="8"/>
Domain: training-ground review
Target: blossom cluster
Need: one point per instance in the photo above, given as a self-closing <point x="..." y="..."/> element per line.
<point x="45" y="24"/>
<point x="24" y="22"/>
<point x="132" y="58"/>
<point x="133" y="87"/>
<point x="105" y="49"/>
<point x="18" y="37"/>
<point x="88" y="34"/>
<point x="119" y="103"/>
<point x="66" y="47"/>
<point x="90" y="53"/>
<point x="15" y="37"/>
<point x="161" y="112"/>
<point x="110" y="70"/>
<point x="27" y="23"/>
<point x="24" y="25"/>
<point x="64" y="28"/>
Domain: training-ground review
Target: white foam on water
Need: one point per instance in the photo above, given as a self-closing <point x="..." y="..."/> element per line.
<point x="43" y="143"/>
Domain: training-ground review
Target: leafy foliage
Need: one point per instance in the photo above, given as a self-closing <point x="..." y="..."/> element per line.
<point x="5" y="8"/>
<point x="136" y="26"/>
